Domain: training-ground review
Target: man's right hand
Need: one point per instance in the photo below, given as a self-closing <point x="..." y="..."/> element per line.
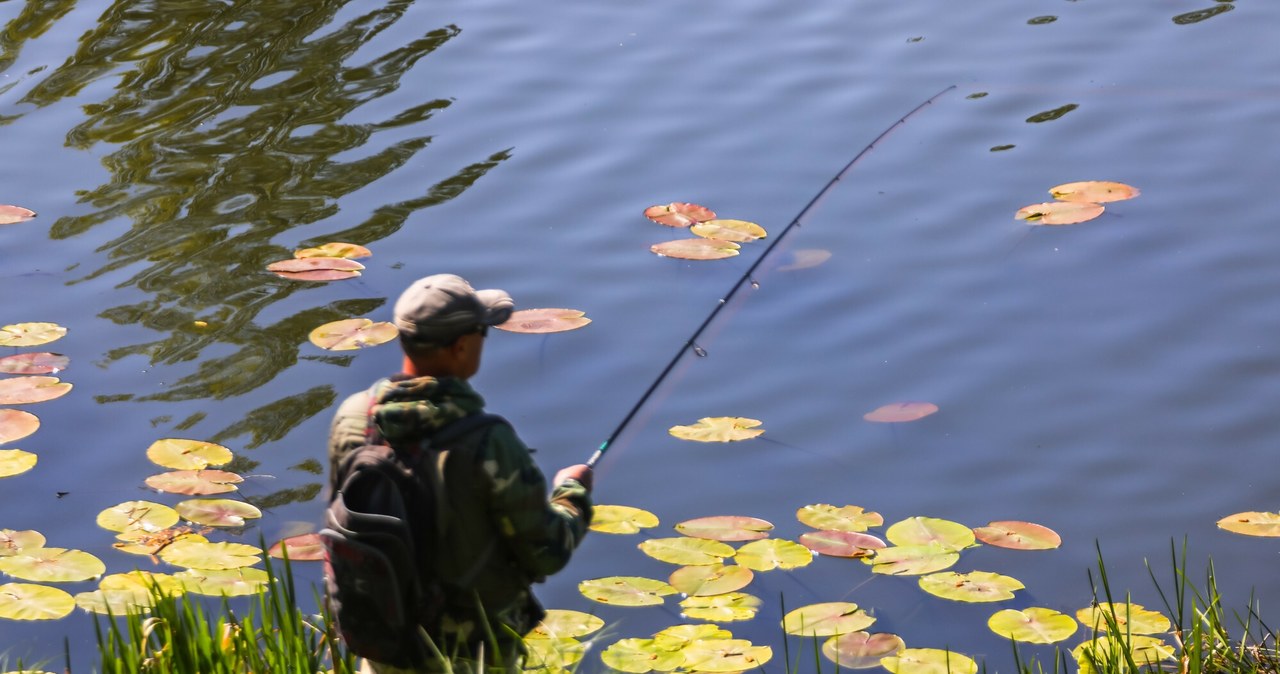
<point x="580" y="472"/>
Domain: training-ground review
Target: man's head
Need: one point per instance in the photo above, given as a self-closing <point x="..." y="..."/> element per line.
<point x="442" y="321"/>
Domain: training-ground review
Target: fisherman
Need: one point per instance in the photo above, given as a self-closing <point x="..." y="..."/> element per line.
<point x="505" y="533"/>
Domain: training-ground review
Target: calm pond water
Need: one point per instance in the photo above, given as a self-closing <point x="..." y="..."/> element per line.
<point x="1114" y="380"/>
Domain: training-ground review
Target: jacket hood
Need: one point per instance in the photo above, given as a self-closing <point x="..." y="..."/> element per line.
<point x="415" y="408"/>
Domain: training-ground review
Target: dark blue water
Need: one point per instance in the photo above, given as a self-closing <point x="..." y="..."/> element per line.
<point x="1113" y="380"/>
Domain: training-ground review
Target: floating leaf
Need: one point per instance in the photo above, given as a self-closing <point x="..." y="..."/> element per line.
<point x="679" y="214"/>
<point x="826" y="619"/>
<point x="52" y="565"/>
<point x="30" y="334"/>
<point x="229" y="583"/>
<point x="301" y="548"/>
<point x="1096" y="191"/>
<point x="565" y="624"/>
<point x="696" y="249"/>
<point x="739" y="231"/>
<point x="551" y="656"/>
<point x="34" y="363"/>
<point x="686" y="551"/>
<point x="180" y="454"/>
<point x="1131" y="618"/>
<point x="26" y="390"/>
<point x="1145" y="651"/>
<point x="115" y="602"/>
<point x="217" y="512"/>
<point x="23" y="601"/>
<point x="725" y="655"/>
<point x="352" y="333"/>
<point x="195" y="482"/>
<point x="975" y="586"/>
<point x="806" y="259"/>
<point x="859" y="650"/>
<point x="12" y="542"/>
<point x="16" y="424"/>
<point x="845" y="518"/>
<point x="619" y="519"/>
<point x="1032" y="625"/>
<point x="137" y="516"/>
<point x="913" y="560"/>
<point x="930" y="530"/>
<point x="150" y="543"/>
<point x="726" y="528"/>
<point x="641" y="655"/>
<point x="15" y="462"/>
<point x="14" y="214"/>
<point x="1059" y="212"/>
<point x="929" y="661"/>
<point x="841" y="543"/>
<point x="773" y="553"/>
<point x="705" y="581"/>
<point x="729" y="607"/>
<point x="205" y="555"/>
<point x="1018" y="535"/>
<point x="718" y="429"/>
<point x="543" y="321"/>
<point x="142" y="580"/>
<point x="626" y="590"/>
<point x="349" y="251"/>
<point x="316" y="268"/>
<point x="901" y="412"/>
<point x="1249" y="523"/>
<point x="679" y="636"/>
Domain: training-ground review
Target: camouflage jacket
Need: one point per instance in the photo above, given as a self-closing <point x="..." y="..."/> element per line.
<point x="505" y="532"/>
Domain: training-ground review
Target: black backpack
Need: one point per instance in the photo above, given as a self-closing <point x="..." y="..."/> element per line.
<point x="385" y="519"/>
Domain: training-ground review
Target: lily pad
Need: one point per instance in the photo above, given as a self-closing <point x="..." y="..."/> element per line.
<point x="678" y="214"/>
<point x="726" y="528"/>
<point x="841" y="543"/>
<point x="217" y="512"/>
<point x="24" y="601"/>
<point x="195" y="482"/>
<point x="182" y="454"/>
<point x="316" y="269"/>
<point x="913" y="560"/>
<point x="930" y="530"/>
<point x="206" y="555"/>
<point x="844" y="518"/>
<point x="16" y="462"/>
<point x="679" y="636"/>
<point x="696" y="249"/>
<point x="901" y="412"/>
<point x="929" y="661"/>
<point x="352" y="333"/>
<point x="708" y="580"/>
<point x="975" y="586"/>
<point x="860" y="650"/>
<point x="52" y="565"/>
<point x="1032" y="625"/>
<point x="552" y="656"/>
<point x="565" y="624"/>
<point x="626" y="590"/>
<point x="739" y="231"/>
<point x="826" y="619"/>
<point x="718" y="429"/>
<point x="641" y="655"/>
<point x="1059" y="212"/>
<point x="16" y="424"/>
<point x="10" y="215"/>
<point x="348" y="251"/>
<point x="228" y="583"/>
<point x="34" y="363"/>
<point x="686" y="551"/>
<point x="30" y="334"/>
<point x="1247" y="523"/>
<point x="544" y="321"/>
<point x="1145" y="651"/>
<point x="773" y="553"/>
<point x="619" y="519"/>
<point x="725" y="655"/>
<point x="301" y="548"/>
<point x="1131" y="618"/>
<point x="1018" y="535"/>
<point x="115" y="602"/>
<point x="150" y="543"/>
<point x="729" y="607"/>
<point x="1096" y="191"/>
<point x="142" y="580"/>
<point x="137" y="516"/>
<point x="26" y="390"/>
<point x="12" y="542"/>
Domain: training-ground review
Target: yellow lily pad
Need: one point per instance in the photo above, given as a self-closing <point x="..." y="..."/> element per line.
<point x="1059" y="212"/>
<point x="725" y="655"/>
<point x="210" y="556"/>
<point x="137" y="516"/>
<point x="728" y="607"/>
<point x="929" y="661"/>
<point x="860" y="650"/>
<point x="641" y="655"/>
<point x="1131" y="618"/>
<point x="552" y="656"/>
<point x="16" y="462"/>
<point x="726" y="528"/>
<point x="773" y="553"/>
<point x="544" y="321"/>
<point x="619" y="519"/>
<point x="24" y="601"/>
<point x="1145" y="651"/>
<point x="1252" y="524"/>
<point x="718" y="429"/>
<point x="626" y="590"/>
<point x="930" y="530"/>
<point x="826" y="619"/>
<point x="739" y="231"/>
<point x="975" y="586"/>
<point x="30" y="334"/>
<point x="686" y="551"/>
<point x="12" y="542"/>
<point x="52" y="565"/>
<point x="565" y="624"/>
<point x="913" y="560"/>
<point x="1096" y="191"/>
<point x="183" y="454"/>
<point x="228" y="582"/>
<point x="352" y="333"/>
<point x="704" y="581"/>
<point x="1032" y="625"/>
<point x="827" y="517"/>
<point x="349" y="251"/>
<point x="679" y="636"/>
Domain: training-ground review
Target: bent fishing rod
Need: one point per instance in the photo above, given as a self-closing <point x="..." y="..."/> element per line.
<point x="692" y="341"/>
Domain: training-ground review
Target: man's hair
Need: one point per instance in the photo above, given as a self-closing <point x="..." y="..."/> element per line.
<point x="421" y="348"/>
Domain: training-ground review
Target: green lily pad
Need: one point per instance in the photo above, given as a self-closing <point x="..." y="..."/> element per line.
<point x="10" y="214"/>
<point x="841" y="543"/>
<point x="975" y="586"/>
<point x="844" y="518"/>
<point x="16" y="462"/>
<point x="16" y="425"/>
<point x="349" y="251"/>
<point x="826" y="619"/>
<point x="686" y="551"/>
<point x="12" y="542"/>
<point x="1250" y="523"/>
<point x="1096" y="191"/>
<point x="565" y="624"/>
<point x="725" y="655"/>
<point x="726" y="528"/>
<point x="729" y="607"/>
<point x="34" y="389"/>
<point x="316" y="269"/>
<point x="210" y="556"/>
<point x="552" y="656"/>
<point x="52" y="565"/>
<point x="619" y="519"/>
<point x="677" y="214"/>
<point x="739" y="231"/>
<point x="229" y="582"/>
<point x="301" y="548"/>
<point x="544" y="321"/>
<point x="182" y="454"/>
<point x="929" y="661"/>
<point x="640" y="656"/>
<point x="913" y="560"/>
<point x="1032" y="625"/>
<point x="1059" y="212"/>
<point x="901" y="412"/>
<point x="137" y="515"/>
<point x="626" y="590"/>
<point x="773" y="553"/>
<point x="217" y="512"/>
<point x="352" y="333"/>
<point x="718" y="429"/>
<point x="195" y="482"/>
<point x="1131" y="618"/>
<point x="30" y="334"/>
<point x="860" y="650"/>
<point x="704" y="581"/>
<point x="1145" y="650"/>
<point x="696" y="249"/>
<point x="930" y="530"/>
<point x="24" y="601"/>
<point x="1018" y="535"/>
<point x="34" y="363"/>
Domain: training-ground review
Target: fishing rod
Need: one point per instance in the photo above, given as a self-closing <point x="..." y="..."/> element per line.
<point x="692" y="342"/>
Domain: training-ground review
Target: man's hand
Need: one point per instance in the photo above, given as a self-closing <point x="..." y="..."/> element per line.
<point x="580" y="472"/>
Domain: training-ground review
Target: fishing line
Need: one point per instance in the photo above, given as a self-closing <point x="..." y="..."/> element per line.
<point x="691" y="344"/>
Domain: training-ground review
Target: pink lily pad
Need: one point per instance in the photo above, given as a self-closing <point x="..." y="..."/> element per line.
<point x="34" y="363"/>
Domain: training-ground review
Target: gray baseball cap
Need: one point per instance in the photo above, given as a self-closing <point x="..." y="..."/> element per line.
<point x="438" y="309"/>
